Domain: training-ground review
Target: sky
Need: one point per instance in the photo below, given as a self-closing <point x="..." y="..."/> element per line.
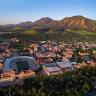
<point x="16" y="11"/>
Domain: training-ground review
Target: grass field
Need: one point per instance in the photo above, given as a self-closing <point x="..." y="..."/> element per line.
<point x="22" y="65"/>
<point x="82" y="32"/>
<point x="30" y="31"/>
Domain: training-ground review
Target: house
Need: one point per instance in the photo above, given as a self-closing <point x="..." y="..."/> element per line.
<point x="14" y="40"/>
<point x="7" y="76"/>
<point x="1" y="65"/>
<point x="26" y="73"/>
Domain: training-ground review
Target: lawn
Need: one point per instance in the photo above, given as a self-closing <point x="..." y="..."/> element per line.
<point x="30" y="31"/>
<point x="82" y="32"/>
<point x="22" y="65"/>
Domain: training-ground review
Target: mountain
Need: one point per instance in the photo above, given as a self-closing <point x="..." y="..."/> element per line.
<point x="25" y="24"/>
<point x="78" y="23"/>
<point x="43" y="22"/>
<point x="74" y="22"/>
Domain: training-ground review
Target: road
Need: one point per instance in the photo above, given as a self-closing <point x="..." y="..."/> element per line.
<point x="9" y="83"/>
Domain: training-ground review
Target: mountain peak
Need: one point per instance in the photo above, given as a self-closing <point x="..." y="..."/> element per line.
<point x="43" y="21"/>
<point x="76" y="17"/>
<point x="25" y="24"/>
<point x="79" y="16"/>
<point x="46" y="18"/>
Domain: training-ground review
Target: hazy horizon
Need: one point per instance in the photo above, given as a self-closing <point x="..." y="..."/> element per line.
<point x="16" y="11"/>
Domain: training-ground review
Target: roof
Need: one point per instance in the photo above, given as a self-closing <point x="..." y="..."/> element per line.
<point x="64" y="64"/>
<point x="51" y="67"/>
<point x="73" y="63"/>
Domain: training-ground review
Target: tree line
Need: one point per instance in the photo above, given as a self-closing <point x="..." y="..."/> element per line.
<point x="77" y="82"/>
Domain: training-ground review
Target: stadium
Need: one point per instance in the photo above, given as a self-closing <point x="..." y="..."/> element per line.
<point x="20" y="63"/>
